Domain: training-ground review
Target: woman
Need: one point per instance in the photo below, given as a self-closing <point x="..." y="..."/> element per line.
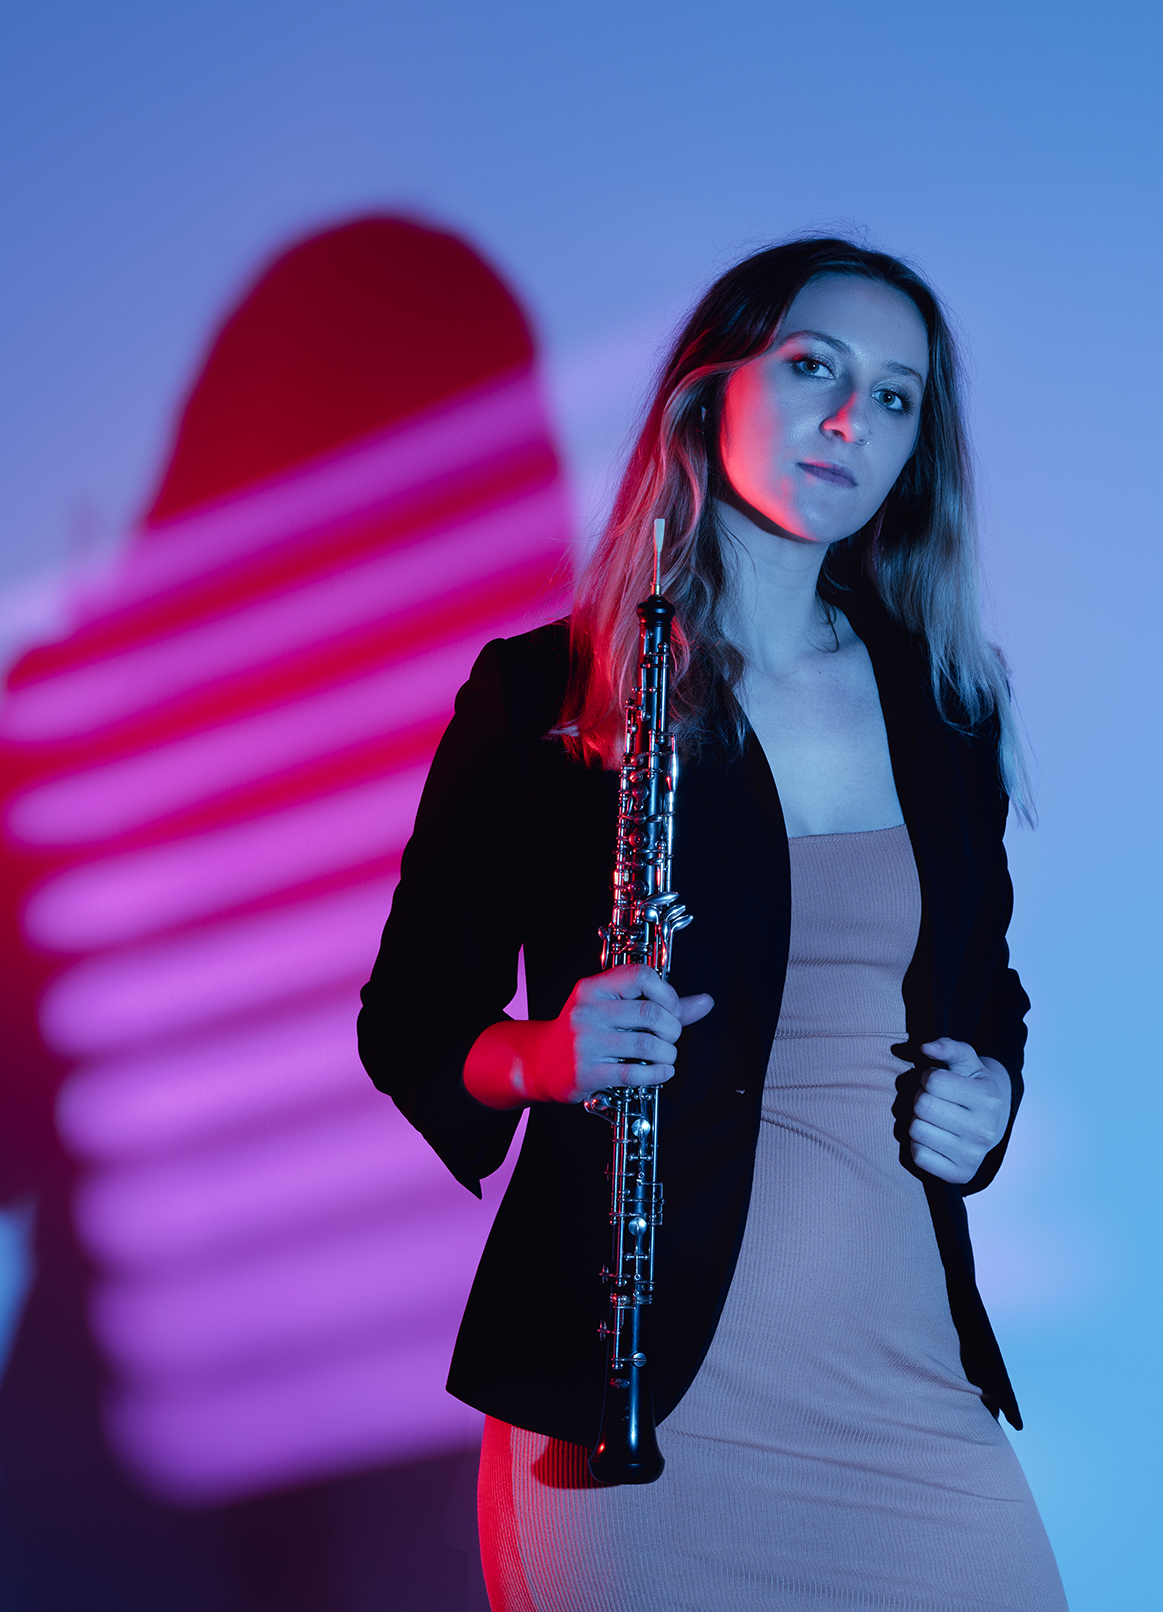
<point x="841" y="1046"/>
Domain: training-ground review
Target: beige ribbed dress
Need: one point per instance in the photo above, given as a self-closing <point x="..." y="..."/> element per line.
<point x="830" y="1453"/>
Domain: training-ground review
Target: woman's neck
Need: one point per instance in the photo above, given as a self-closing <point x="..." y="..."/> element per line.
<point x="773" y="615"/>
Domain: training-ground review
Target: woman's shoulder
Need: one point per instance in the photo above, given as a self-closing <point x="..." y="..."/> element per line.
<point x="531" y="671"/>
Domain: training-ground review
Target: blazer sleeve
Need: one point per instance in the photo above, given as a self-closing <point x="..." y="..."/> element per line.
<point x="1000" y="1031"/>
<point x="447" y="964"/>
<point x="1001" y="1034"/>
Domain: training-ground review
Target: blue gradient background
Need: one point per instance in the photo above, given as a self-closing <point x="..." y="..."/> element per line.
<point x="610" y="159"/>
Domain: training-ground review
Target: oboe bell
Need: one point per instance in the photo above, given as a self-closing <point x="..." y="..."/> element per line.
<point x="646" y="915"/>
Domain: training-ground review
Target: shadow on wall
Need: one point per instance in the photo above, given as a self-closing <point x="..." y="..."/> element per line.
<point x="229" y="1377"/>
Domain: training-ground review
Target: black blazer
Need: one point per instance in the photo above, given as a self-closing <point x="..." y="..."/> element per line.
<point x="513" y="847"/>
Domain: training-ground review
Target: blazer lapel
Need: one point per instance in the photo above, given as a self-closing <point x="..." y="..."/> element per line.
<point x="732" y="871"/>
<point x="915" y="752"/>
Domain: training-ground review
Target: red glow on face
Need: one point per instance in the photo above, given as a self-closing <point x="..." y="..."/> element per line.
<point x="209" y="785"/>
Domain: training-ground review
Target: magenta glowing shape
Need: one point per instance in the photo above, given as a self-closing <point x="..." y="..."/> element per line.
<point x="281" y="1261"/>
<point x="122" y="795"/>
<point x="140" y="1104"/>
<point x="163" y="886"/>
<point x="181" y="983"/>
<point x="449" y="565"/>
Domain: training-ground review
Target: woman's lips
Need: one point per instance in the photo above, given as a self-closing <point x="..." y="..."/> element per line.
<point x="835" y="474"/>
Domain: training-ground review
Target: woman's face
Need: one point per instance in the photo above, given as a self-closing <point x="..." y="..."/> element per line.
<point x="817" y="429"/>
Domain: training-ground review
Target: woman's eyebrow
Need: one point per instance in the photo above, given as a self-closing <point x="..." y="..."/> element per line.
<point x="905" y="369"/>
<point x="843" y="347"/>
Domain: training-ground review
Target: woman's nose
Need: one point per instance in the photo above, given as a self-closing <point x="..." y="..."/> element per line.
<point x="849" y="422"/>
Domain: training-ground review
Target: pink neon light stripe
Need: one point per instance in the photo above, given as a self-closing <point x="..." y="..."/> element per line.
<point x="376" y="1281"/>
<point x="453" y="561"/>
<point x="126" y="794"/>
<point x="205" y="1203"/>
<point x="387" y="469"/>
<point x="374" y="1405"/>
<point x="126" y="897"/>
<point x="188" y="982"/>
<point x="186" y="1094"/>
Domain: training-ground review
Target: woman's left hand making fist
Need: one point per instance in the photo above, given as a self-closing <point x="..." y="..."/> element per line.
<point x="961" y="1111"/>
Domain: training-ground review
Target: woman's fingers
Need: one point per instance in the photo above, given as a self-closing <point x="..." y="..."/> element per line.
<point x="949" y="1157"/>
<point x="638" y="1074"/>
<point x="693" y="1008"/>
<point x="971" y="1097"/>
<point x="950" y="1088"/>
<point x="957" y="1118"/>
<point x="632" y="980"/>
<point x="633" y="997"/>
<point x="934" y="1163"/>
<point x="617" y="1015"/>
<point x="940" y="1115"/>
<point x="950" y="1143"/>
<point x="621" y="1028"/>
<point x="960" y="1111"/>
<point x="957" y="1056"/>
<point x="635" y="979"/>
<point x="638" y="1044"/>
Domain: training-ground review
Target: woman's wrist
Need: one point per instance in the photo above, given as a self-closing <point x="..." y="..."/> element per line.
<point x="500" y="1070"/>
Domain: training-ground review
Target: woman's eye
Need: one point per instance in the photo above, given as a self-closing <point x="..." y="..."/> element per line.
<point x="810" y="366"/>
<point x="895" y="402"/>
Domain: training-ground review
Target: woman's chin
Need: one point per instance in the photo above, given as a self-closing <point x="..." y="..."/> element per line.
<point x="813" y="526"/>
<point x="829" y="528"/>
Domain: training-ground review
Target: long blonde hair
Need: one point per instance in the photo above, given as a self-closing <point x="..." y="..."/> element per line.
<point x="919" y="552"/>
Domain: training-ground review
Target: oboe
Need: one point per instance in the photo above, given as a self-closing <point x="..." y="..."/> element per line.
<point x="646" y="915"/>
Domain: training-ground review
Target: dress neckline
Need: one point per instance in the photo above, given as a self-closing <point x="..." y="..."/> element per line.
<point x="850" y="834"/>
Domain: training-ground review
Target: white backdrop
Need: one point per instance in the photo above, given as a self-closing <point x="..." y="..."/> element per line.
<point x="611" y="158"/>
